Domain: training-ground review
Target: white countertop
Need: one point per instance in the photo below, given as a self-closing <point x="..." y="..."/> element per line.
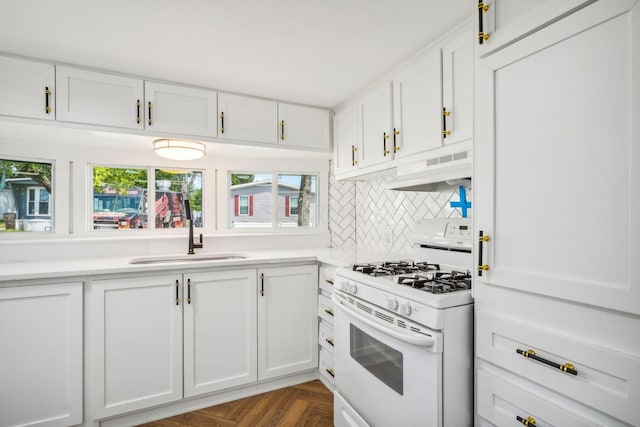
<point x="22" y="271"/>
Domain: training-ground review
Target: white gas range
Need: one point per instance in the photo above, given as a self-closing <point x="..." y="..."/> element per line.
<point x="404" y="334"/>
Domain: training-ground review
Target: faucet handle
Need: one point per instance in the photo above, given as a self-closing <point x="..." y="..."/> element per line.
<point x="198" y="245"/>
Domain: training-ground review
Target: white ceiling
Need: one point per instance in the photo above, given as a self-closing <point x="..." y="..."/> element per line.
<point x="312" y="52"/>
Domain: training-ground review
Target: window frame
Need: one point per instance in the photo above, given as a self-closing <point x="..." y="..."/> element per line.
<point x="36" y="202"/>
<point x="291" y="207"/>
<point x="151" y="192"/>
<point x="242" y="197"/>
<point x="275" y="225"/>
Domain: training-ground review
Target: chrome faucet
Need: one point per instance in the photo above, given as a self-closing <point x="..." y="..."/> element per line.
<point x="192" y="245"/>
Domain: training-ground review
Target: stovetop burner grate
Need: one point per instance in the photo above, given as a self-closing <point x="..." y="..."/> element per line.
<point x="394" y="268"/>
<point x="438" y="282"/>
<point x="419" y="275"/>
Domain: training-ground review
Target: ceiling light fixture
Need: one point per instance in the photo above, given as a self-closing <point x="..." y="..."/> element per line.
<point x="179" y="149"/>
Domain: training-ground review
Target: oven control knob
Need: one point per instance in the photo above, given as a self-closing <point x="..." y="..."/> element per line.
<point x="392" y="304"/>
<point x="344" y="286"/>
<point x="406" y="309"/>
<point x="353" y="289"/>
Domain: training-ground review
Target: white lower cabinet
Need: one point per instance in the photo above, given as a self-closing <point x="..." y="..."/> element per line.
<point x="504" y="400"/>
<point x="135" y="360"/>
<point x="41" y="355"/>
<point x="209" y="330"/>
<point x="220" y="331"/>
<point x="601" y="377"/>
<point x="287" y="320"/>
<point x="326" y="367"/>
<point x="325" y="325"/>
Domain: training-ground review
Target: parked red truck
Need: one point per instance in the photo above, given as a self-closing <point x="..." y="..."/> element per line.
<point x="129" y="209"/>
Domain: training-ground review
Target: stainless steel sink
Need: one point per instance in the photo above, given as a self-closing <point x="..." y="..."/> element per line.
<point x="165" y="259"/>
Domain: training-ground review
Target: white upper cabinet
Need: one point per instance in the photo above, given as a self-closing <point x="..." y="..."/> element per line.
<point x="417" y="107"/>
<point x="180" y="110"/>
<point x="558" y="159"/>
<point x="345" y="140"/>
<point x="304" y="127"/>
<point x="501" y="22"/>
<point x="99" y="98"/>
<point x="27" y="89"/>
<point x="374" y="126"/>
<point x="457" y="88"/>
<point x="247" y="119"/>
<point x="430" y="100"/>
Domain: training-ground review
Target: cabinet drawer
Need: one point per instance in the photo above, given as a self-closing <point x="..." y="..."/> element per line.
<point x="501" y="402"/>
<point x="325" y="337"/>
<point x="325" y="308"/>
<point x="606" y="379"/>
<point x="326" y="366"/>
<point x="327" y="275"/>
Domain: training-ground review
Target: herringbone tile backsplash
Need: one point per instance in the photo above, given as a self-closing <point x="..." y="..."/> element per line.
<point x="364" y="213"/>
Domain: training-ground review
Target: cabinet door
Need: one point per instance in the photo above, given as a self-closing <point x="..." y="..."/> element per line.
<point x="41" y="356"/>
<point x="374" y="121"/>
<point x="557" y="159"/>
<point x="27" y="89"/>
<point x="287" y="320"/>
<point x="303" y="127"/>
<point x="220" y="331"/>
<point x="136" y="333"/>
<point x="180" y="109"/>
<point x="457" y="88"/>
<point x="345" y="140"/>
<point x="506" y="21"/>
<point x="417" y="97"/>
<point x="99" y="98"/>
<point x="247" y="119"/>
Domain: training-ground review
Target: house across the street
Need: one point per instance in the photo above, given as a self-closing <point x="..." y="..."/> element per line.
<point x="252" y="204"/>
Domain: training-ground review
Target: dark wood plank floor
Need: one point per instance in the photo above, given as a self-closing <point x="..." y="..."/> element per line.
<point x="308" y="404"/>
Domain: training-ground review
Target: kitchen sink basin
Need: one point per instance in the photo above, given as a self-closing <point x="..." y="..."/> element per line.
<point x="165" y="259"/>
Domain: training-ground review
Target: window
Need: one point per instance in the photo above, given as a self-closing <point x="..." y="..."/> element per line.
<point x="37" y="201"/>
<point x="26" y="199"/>
<point x="293" y="205"/>
<point x="121" y="198"/>
<point x="173" y="187"/>
<point x="252" y="197"/>
<point x="244" y="205"/>
<point x="297" y="200"/>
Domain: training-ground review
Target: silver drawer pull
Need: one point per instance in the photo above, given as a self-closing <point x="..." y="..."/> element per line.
<point x="330" y="372"/>
<point x="328" y="311"/>
<point x="330" y="341"/>
<point x="329" y="281"/>
<point x="566" y="367"/>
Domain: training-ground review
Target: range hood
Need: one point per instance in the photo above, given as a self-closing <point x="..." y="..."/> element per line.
<point x="445" y="167"/>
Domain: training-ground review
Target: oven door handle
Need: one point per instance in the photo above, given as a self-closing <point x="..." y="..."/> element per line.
<point x="422" y="341"/>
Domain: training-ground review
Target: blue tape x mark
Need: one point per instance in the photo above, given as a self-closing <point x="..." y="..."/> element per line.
<point x="463" y="204"/>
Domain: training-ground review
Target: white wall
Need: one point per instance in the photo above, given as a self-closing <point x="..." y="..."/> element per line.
<point x="73" y="151"/>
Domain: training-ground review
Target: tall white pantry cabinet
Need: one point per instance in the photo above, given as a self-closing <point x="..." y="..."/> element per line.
<point x="557" y="149"/>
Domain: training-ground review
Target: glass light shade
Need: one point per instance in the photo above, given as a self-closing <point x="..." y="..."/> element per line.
<point x="179" y="149"/>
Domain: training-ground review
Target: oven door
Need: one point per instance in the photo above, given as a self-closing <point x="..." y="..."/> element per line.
<point x="391" y="376"/>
